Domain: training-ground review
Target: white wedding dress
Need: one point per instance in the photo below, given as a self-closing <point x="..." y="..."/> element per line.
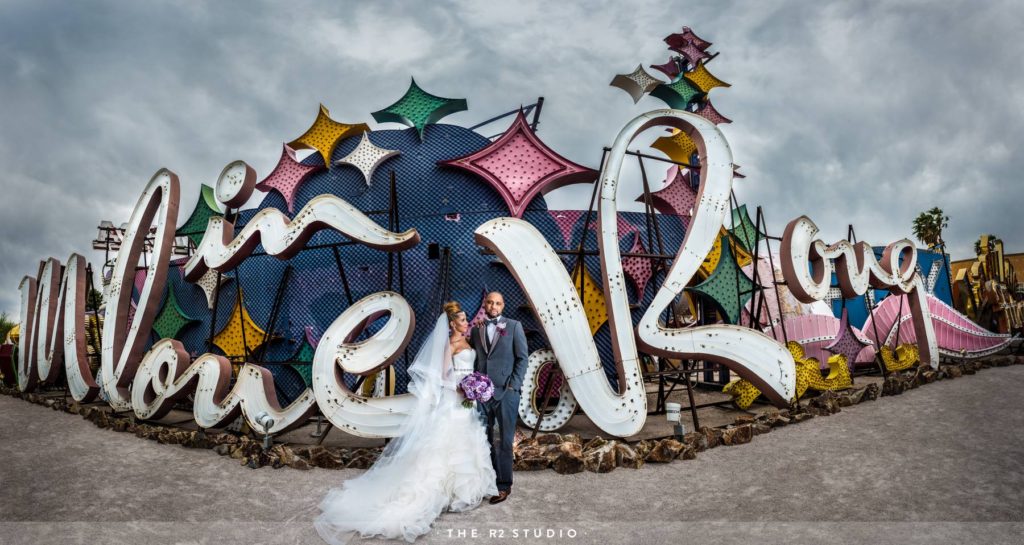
<point x="440" y="461"/>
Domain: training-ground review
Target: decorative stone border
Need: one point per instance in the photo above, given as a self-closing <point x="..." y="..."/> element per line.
<point x="564" y="454"/>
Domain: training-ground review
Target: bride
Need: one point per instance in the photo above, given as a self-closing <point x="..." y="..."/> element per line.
<point x="439" y="461"/>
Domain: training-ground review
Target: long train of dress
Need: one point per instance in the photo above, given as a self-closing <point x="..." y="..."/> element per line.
<point x="448" y="469"/>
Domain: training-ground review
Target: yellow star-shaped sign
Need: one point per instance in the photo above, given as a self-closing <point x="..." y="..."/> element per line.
<point x="678" y="146"/>
<point x="704" y="80"/>
<point x="325" y="133"/>
<point x="711" y="261"/>
<point x="231" y="339"/>
<point x="592" y="297"/>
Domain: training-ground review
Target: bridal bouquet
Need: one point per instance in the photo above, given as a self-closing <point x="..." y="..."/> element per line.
<point x="476" y="387"/>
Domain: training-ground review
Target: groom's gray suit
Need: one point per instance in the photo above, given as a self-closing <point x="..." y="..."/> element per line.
<point x="504" y="361"/>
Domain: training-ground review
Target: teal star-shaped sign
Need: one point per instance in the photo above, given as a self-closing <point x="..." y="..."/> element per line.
<point x="727" y="286"/>
<point x="171" y="320"/>
<point x="206" y="208"/>
<point x="677" y="94"/>
<point x="744" y="230"/>
<point x="418" y="108"/>
<point x="303" y="358"/>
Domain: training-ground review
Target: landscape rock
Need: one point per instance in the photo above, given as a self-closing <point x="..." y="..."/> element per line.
<point x="627" y="456"/>
<point x="594" y="443"/>
<point x="643" y="447"/>
<point x="548" y="439"/>
<point x="698" y="441"/>
<point x="572" y="438"/>
<point x="777" y="420"/>
<point x="665" y="451"/>
<point x="568" y="458"/>
<point x="601" y="459"/>
<point x="319" y="456"/>
<point x="256" y="460"/>
<point x="825" y="404"/>
<point x="738" y="435"/>
<point x="800" y="417"/>
<point x="745" y="419"/>
<point x="360" y="461"/>
<point x="300" y="463"/>
<point x="284" y="453"/>
<point x="531" y="462"/>
<point x="712" y="435"/>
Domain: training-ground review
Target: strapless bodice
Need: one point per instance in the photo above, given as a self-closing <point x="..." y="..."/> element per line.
<point x="463" y="363"/>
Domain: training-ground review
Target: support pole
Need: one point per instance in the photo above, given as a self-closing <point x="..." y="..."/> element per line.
<point x="536" y="113"/>
<point x="274" y="311"/>
<point x="342" y="275"/>
<point x="546" y="396"/>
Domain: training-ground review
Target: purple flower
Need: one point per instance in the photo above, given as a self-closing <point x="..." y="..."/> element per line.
<point x="476" y="387"/>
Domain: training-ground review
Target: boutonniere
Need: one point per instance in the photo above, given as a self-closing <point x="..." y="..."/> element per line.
<point x="501" y="328"/>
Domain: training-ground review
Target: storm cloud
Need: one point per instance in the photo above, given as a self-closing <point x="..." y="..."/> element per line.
<point x="852" y="112"/>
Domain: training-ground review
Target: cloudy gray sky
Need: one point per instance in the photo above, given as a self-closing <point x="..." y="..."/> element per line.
<point x="856" y="112"/>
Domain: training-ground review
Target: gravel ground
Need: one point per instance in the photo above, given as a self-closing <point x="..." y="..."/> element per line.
<point x="939" y="464"/>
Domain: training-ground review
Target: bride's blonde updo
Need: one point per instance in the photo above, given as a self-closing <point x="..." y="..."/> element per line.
<point x="452" y="309"/>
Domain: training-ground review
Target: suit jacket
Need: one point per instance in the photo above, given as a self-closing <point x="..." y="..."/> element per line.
<point x="505" y="361"/>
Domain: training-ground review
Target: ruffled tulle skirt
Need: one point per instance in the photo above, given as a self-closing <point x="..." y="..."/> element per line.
<point x="449" y="471"/>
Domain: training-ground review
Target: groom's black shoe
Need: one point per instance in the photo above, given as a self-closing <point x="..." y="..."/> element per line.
<point x="502" y="496"/>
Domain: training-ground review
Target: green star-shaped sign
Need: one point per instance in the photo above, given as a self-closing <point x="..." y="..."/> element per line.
<point x="305" y="356"/>
<point x="205" y="209"/>
<point x="743" y="229"/>
<point x="419" y="108"/>
<point x="677" y="94"/>
<point x="171" y="320"/>
<point x="727" y="286"/>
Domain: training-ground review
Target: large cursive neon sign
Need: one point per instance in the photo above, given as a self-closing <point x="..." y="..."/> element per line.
<point x="807" y="266"/>
<point x="165" y="372"/>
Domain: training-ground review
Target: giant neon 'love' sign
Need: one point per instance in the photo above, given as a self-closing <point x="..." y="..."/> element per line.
<point x="150" y="383"/>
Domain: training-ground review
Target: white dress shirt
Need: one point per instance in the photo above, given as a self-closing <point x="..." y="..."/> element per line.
<point x="491" y="330"/>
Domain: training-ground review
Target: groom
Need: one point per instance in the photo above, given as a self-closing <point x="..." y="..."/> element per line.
<point x="501" y="355"/>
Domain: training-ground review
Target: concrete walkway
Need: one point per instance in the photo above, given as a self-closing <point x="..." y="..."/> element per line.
<point x="939" y="464"/>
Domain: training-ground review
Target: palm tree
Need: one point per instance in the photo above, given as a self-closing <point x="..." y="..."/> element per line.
<point x="992" y="240"/>
<point x="928" y="227"/>
<point x="6" y="324"/>
<point x="94" y="300"/>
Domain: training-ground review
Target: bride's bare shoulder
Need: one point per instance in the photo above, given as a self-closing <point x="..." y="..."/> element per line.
<point x="463" y="349"/>
<point x="460" y="346"/>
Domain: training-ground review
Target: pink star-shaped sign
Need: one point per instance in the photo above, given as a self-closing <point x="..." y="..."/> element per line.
<point x="621" y="225"/>
<point x="480" y="316"/>
<point x="708" y="111"/>
<point x="846" y="342"/>
<point x="692" y="53"/>
<point x="310" y="338"/>
<point x="676" y="198"/>
<point x="686" y="36"/>
<point x="638" y="269"/>
<point x="518" y="165"/>
<point x="287" y="176"/>
<point x="566" y="220"/>
<point x="670" y="68"/>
